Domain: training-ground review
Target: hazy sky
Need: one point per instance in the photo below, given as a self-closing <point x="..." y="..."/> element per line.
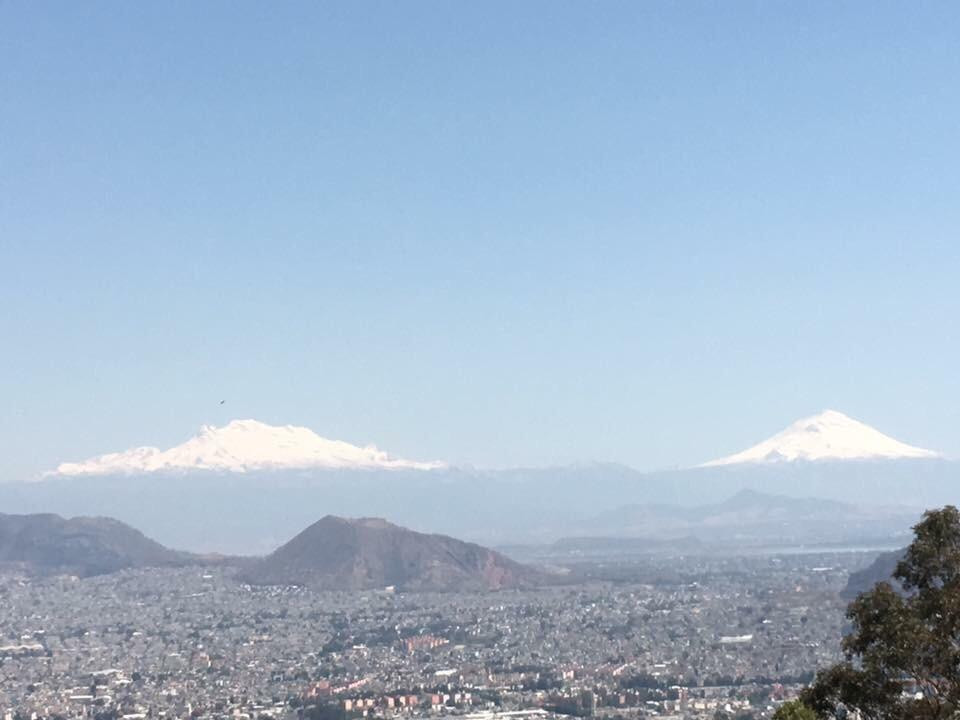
<point x="495" y="233"/>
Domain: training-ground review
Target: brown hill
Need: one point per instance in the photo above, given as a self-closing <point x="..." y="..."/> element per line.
<point x="356" y="554"/>
<point x="51" y="544"/>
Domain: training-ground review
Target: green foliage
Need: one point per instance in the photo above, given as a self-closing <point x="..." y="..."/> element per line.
<point x="903" y="654"/>
<point x="794" y="710"/>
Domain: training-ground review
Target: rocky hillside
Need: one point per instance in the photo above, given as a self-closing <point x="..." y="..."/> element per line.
<point x="337" y="553"/>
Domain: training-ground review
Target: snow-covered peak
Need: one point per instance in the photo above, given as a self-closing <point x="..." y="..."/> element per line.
<point x="245" y="445"/>
<point x="831" y="435"/>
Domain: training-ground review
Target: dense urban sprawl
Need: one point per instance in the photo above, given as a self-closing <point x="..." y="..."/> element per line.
<point x="670" y="637"/>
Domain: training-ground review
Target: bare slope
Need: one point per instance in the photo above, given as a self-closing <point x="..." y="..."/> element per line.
<point x="352" y="554"/>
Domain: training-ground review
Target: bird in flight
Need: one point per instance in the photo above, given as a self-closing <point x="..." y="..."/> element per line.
<point x="222" y="402"/>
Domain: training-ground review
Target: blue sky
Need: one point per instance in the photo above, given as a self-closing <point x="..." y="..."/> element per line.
<point x="493" y="233"/>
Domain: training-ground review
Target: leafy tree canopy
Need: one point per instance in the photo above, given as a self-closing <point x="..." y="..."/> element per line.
<point x="794" y="710"/>
<point x="903" y="653"/>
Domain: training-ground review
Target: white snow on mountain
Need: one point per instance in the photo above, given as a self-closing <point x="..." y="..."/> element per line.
<point x="831" y="435"/>
<point x="245" y="445"/>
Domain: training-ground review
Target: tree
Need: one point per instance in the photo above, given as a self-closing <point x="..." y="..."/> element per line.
<point x="794" y="710"/>
<point x="903" y="653"/>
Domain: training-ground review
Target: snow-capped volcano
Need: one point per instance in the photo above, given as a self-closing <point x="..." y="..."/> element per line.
<point x="245" y="445"/>
<point x="831" y="435"/>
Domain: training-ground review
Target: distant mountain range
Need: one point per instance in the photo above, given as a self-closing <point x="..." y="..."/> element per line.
<point x="247" y="487"/>
<point x="244" y="446"/>
<point x="342" y="554"/>
<point x="253" y="513"/>
<point x="754" y="518"/>
<point x="266" y="483"/>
